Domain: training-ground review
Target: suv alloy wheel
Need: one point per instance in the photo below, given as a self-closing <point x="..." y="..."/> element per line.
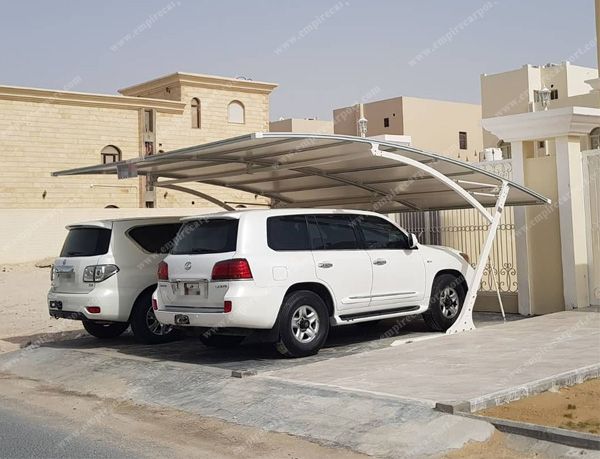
<point x="303" y="324"/>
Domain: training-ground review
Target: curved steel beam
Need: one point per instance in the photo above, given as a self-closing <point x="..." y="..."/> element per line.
<point x="196" y="193"/>
<point x="434" y="173"/>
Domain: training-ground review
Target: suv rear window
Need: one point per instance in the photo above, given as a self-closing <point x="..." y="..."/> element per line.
<point x="288" y="233"/>
<point x="155" y="238"/>
<point x="86" y="242"/>
<point x="213" y="235"/>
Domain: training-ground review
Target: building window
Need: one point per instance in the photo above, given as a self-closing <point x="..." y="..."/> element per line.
<point x="542" y="144"/>
<point x="236" y="112"/>
<point x="595" y="138"/>
<point x="148" y="121"/>
<point x="553" y="94"/>
<point x="462" y="140"/>
<point x="386" y="122"/>
<point x="148" y="148"/>
<point x="110" y="154"/>
<point x="195" y="113"/>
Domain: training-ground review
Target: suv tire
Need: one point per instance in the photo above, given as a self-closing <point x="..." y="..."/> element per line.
<point x="303" y="324"/>
<point x="144" y="325"/>
<point x="105" y="330"/>
<point x="447" y="298"/>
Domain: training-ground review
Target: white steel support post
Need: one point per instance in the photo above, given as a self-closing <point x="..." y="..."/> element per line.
<point x="464" y="322"/>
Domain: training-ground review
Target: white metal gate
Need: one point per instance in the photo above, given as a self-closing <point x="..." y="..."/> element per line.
<point x="466" y="229"/>
<point x="591" y="171"/>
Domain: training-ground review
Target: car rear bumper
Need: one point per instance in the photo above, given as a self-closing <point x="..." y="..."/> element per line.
<point x="59" y="314"/>
<point x="73" y="305"/>
<point x="254" y="312"/>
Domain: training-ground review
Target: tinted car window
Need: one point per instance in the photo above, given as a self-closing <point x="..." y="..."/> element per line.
<point x="288" y="233"/>
<point x="86" y="242"/>
<point x="337" y="232"/>
<point x="381" y="234"/>
<point x="214" y="235"/>
<point x="314" y="235"/>
<point x="155" y="238"/>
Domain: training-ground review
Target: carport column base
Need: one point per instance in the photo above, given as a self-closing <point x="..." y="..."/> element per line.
<point x="464" y="322"/>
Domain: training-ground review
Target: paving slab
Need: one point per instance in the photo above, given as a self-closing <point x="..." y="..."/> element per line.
<point x="486" y="366"/>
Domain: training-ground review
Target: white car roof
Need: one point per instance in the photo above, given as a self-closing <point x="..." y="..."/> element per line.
<point x="276" y="212"/>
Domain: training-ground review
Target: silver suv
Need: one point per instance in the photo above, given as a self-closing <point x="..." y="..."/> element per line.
<point x="106" y="274"/>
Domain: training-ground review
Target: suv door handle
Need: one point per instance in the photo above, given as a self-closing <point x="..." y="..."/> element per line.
<point x="379" y="262"/>
<point x="325" y="264"/>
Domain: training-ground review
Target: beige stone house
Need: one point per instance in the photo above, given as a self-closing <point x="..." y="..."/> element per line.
<point x="449" y="128"/>
<point x="302" y="125"/>
<point x="549" y="117"/>
<point x="520" y="91"/>
<point x="46" y="130"/>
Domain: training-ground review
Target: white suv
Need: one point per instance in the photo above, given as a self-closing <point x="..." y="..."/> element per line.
<point x="106" y="274"/>
<point x="293" y="273"/>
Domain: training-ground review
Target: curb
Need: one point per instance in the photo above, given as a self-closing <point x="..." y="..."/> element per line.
<point x="568" y="378"/>
<point x="552" y="434"/>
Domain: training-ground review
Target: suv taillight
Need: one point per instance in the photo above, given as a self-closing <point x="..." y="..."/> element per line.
<point x="237" y="268"/>
<point x="163" y="271"/>
<point x="99" y="273"/>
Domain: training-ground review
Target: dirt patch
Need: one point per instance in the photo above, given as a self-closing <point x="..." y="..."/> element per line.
<point x="495" y="447"/>
<point x="573" y="408"/>
<point x="24" y="311"/>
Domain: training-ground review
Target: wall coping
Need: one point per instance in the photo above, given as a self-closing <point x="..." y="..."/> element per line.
<point x="84" y="99"/>
<point x="544" y="124"/>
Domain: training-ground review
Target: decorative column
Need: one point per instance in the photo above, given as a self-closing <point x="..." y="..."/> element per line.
<point x="569" y="168"/>
<point x="521" y="245"/>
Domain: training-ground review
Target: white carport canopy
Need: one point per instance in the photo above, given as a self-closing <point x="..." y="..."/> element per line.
<point x="335" y="171"/>
<point x="322" y="170"/>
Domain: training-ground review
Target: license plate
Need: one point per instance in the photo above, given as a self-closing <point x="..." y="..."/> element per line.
<point x="56" y="304"/>
<point x="182" y="319"/>
<point x="192" y="288"/>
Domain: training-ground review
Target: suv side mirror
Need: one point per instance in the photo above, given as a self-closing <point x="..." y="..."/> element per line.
<point x="412" y="241"/>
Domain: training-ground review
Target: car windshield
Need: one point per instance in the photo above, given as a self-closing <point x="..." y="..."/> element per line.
<point x="86" y="242"/>
<point x="215" y="235"/>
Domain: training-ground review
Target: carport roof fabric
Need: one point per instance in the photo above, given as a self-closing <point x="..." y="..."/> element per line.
<point x="323" y="170"/>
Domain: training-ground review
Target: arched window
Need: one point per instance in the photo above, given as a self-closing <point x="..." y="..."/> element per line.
<point x="110" y="154"/>
<point x="236" y="112"/>
<point x="195" y="113"/>
<point x="595" y="138"/>
<point x="506" y="149"/>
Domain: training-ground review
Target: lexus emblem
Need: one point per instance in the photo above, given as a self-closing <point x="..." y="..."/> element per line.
<point x="188" y="265"/>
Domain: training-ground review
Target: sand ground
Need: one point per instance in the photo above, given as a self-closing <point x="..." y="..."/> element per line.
<point x="574" y="408"/>
<point x="24" y="310"/>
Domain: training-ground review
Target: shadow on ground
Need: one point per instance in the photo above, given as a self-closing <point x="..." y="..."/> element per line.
<point x="252" y="355"/>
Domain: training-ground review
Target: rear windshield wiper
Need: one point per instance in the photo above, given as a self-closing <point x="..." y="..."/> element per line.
<point x="75" y="254"/>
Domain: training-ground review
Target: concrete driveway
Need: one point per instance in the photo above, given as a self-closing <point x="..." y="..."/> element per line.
<point x="359" y="392"/>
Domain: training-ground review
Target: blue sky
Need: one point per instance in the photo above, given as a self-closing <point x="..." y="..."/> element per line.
<point x="324" y="54"/>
